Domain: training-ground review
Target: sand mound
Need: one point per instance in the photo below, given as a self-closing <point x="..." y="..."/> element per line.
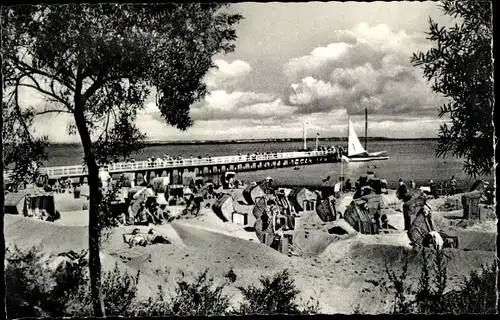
<point x="311" y="235"/>
<point x="74" y="218"/>
<point x="26" y="233"/>
<point x="346" y="247"/>
<point x="66" y="202"/>
<point x="115" y="243"/>
<point x="459" y="262"/>
<point x="207" y="250"/>
<point x="469" y="240"/>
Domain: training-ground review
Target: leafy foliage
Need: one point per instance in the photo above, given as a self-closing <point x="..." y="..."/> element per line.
<point x="121" y="141"/>
<point x="36" y="290"/>
<point x="200" y="298"/>
<point x="24" y="152"/>
<point x="461" y="68"/>
<point x="276" y="296"/>
<point x="109" y="55"/>
<point x="401" y="304"/>
<point x="478" y="294"/>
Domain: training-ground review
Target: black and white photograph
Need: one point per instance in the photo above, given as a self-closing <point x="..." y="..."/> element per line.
<point x="245" y="158"/>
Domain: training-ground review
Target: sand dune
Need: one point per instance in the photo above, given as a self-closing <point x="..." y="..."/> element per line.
<point x="341" y="271"/>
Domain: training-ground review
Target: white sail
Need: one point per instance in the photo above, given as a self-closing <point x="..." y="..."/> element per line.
<point x="355" y="146"/>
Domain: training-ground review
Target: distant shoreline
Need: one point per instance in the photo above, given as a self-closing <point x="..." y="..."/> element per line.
<point x="270" y="140"/>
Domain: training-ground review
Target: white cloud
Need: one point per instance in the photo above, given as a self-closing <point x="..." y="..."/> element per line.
<point x="238" y="105"/>
<point x="316" y="59"/>
<point x="227" y="75"/>
<point x="369" y="68"/>
<point x="291" y="70"/>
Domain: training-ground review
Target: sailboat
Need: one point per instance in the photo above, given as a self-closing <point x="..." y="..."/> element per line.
<point x="356" y="152"/>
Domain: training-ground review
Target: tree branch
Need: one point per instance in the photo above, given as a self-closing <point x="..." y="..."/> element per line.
<point x="100" y="80"/>
<point x="18" y="111"/>
<point x="53" y="111"/>
<point x="39" y="88"/>
<point x="43" y="73"/>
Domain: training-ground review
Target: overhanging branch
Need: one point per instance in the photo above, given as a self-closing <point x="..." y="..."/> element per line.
<point x="41" y="90"/>
<point x="52" y="111"/>
<point x="19" y="113"/>
<point x="31" y="69"/>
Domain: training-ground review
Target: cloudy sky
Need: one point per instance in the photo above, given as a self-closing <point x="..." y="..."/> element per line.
<point x="314" y="62"/>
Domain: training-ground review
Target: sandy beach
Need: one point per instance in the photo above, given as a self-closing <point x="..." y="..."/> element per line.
<point x="342" y="272"/>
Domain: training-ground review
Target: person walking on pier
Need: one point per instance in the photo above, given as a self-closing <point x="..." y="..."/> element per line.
<point x="158" y="162"/>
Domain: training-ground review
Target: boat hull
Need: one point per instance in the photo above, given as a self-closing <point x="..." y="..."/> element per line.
<point x="365" y="159"/>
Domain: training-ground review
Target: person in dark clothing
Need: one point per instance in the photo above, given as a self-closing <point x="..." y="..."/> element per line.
<point x="348" y="185"/>
<point x="357" y="186"/>
<point x="434" y="191"/>
<point x="402" y="190"/>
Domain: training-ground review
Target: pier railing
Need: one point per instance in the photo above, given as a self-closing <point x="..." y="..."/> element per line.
<point x="79" y="170"/>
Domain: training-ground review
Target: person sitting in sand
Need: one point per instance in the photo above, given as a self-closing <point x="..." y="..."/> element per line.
<point x="348" y="185"/>
<point x="134" y="238"/>
<point x="44" y="215"/>
<point x="453" y="186"/>
<point x="143" y="239"/>
<point x="120" y="219"/>
<point x="158" y="214"/>
<point x="141" y="218"/>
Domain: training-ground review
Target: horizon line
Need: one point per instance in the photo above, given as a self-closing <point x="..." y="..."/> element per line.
<point x="208" y="141"/>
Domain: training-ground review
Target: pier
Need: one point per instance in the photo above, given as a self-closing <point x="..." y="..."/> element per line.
<point x="204" y="166"/>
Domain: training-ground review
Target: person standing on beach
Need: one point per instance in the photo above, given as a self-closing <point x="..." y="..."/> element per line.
<point x="413" y="184"/>
<point x="130" y="218"/>
<point x="401" y="191"/>
<point x="337" y="188"/>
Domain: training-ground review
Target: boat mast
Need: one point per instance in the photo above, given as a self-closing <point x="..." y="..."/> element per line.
<point x="305" y="134"/>
<point x="366" y="125"/>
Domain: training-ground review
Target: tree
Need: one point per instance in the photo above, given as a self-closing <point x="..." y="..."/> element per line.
<point x="461" y="66"/>
<point x="22" y="150"/>
<point x="97" y="63"/>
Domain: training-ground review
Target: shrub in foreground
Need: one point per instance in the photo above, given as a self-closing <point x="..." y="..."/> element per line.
<point x="34" y="290"/>
<point x="477" y="293"/>
<point x="277" y="295"/>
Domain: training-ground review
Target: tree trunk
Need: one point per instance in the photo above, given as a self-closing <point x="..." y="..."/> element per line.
<point x="95" y="201"/>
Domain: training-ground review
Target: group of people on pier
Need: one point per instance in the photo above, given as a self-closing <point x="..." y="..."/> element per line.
<point x="167" y="159"/>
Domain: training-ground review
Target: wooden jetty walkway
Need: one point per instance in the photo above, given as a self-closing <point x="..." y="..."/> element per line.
<point x="203" y="166"/>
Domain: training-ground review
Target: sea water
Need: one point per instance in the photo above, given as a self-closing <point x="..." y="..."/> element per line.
<point x="408" y="160"/>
